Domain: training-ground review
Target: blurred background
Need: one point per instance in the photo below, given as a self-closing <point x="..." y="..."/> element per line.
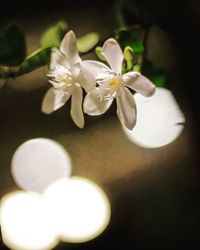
<point x="153" y="192"/>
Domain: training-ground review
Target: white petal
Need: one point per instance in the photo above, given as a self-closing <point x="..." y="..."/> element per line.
<point x="86" y="79"/>
<point x="139" y="83"/>
<point x="96" y="105"/>
<point x="113" y="54"/>
<point x="95" y="67"/>
<point x="69" y="48"/>
<point x="75" y="70"/>
<point x="57" y="58"/>
<point x="54" y="99"/>
<point x="126" y="108"/>
<point x="76" y="106"/>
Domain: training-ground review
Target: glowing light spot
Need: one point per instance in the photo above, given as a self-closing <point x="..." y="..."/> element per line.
<point x="39" y="162"/>
<point x="26" y="223"/>
<point x="159" y="120"/>
<point x="81" y="207"/>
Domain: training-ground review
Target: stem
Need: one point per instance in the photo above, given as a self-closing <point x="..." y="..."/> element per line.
<point x="13" y="72"/>
<point x="10" y="73"/>
<point x="119" y="16"/>
<point x="145" y="40"/>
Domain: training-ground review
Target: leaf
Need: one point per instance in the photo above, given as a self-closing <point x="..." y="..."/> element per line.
<point x="2" y="82"/>
<point x="128" y="55"/>
<point x="12" y="46"/>
<point x="154" y="73"/>
<point x="53" y="36"/>
<point x="87" y="42"/>
<point x="99" y="53"/>
<point x="137" y="68"/>
<point x="126" y="38"/>
<point x="38" y="58"/>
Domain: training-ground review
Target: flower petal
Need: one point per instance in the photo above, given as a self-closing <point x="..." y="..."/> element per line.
<point x="126" y="108"/>
<point x="57" y="58"/>
<point x="86" y="79"/>
<point x="54" y="99"/>
<point x="139" y="83"/>
<point x="113" y="54"/>
<point x="69" y="48"/>
<point x="76" y="106"/>
<point x="94" y="104"/>
<point x="95" y="67"/>
<point x="75" y="70"/>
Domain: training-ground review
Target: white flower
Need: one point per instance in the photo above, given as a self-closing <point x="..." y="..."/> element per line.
<point x="112" y="84"/>
<point x="67" y="77"/>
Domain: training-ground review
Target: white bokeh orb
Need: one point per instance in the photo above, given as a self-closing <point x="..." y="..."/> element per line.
<point x="26" y="223"/>
<point x="39" y="162"/>
<point x="159" y="120"/>
<point x="81" y="209"/>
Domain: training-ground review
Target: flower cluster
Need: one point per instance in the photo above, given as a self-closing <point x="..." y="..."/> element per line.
<point x="69" y="75"/>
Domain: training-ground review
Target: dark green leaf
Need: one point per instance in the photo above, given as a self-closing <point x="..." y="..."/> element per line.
<point x="154" y="73"/>
<point x="126" y="38"/>
<point x="37" y="59"/>
<point x="87" y="42"/>
<point x="54" y="35"/>
<point x="12" y="46"/>
<point x="2" y="82"/>
<point x="164" y="13"/>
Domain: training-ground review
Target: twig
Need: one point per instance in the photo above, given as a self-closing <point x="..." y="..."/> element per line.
<point x="145" y="40"/>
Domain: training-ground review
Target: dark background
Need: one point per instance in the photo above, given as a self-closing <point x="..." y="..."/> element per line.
<point x="157" y="209"/>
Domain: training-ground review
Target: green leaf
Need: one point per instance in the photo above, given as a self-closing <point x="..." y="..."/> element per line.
<point x="137" y="67"/>
<point x="38" y="58"/>
<point x="154" y="73"/>
<point x="2" y="82"/>
<point x="87" y="42"/>
<point x="126" y="38"/>
<point x="99" y="53"/>
<point x="12" y="46"/>
<point x="53" y="36"/>
<point x="128" y="55"/>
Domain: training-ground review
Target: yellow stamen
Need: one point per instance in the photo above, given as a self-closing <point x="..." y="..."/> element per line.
<point x="65" y="80"/>
<point x="115" y="83"/>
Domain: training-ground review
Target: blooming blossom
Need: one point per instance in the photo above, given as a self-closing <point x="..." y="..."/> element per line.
<point x="112" y="84"/>
<point x="67" y="78"/>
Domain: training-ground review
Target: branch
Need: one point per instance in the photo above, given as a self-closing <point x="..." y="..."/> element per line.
<point x="145" y="40"/>
<point x="10" y="73"/>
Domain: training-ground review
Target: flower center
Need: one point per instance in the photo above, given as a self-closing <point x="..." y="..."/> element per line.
<point x="65" y="79"/>
<point x="115" y="83"/>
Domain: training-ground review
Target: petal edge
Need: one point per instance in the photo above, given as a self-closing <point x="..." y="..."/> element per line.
<point x="126" y="108"/>
<point x="53" y="100"/>
<point x="76" y="111"/>
<point x="69" y="48"/>
<point x="139" y="83"/>
<point x="94" y="105"/>
<point x="113" y="54"/>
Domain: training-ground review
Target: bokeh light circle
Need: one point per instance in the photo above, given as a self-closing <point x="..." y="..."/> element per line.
<point x="26" y="223"/>
<point x="81" y="208"/>
<point x="159" y="120"/>
<point x="39" y="162"/>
